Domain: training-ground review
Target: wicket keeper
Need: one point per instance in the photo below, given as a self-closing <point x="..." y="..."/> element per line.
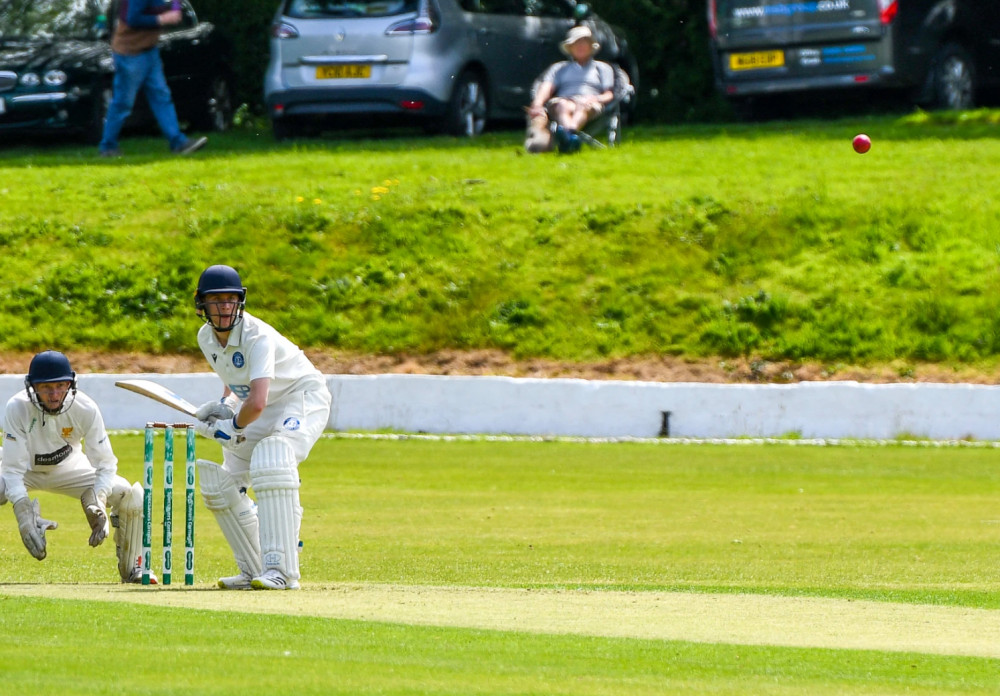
<point x="45" y="427"/>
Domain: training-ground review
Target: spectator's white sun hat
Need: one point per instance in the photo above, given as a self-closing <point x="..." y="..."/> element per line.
<point x="578" y="34"/>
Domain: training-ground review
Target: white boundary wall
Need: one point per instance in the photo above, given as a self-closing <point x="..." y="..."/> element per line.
<point x="575" y="407"/>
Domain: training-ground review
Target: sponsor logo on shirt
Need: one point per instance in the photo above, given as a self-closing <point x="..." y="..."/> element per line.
<point x="51" y="458"/>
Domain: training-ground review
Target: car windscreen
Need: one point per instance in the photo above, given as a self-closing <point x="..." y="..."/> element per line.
<point x="752" y="14"/>
<point x="312" y="9"/>
<point x="48" y="19"/>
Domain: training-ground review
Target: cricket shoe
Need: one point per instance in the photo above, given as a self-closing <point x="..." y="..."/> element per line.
<point x="235" y="582"/>
<point x="273" y="580"/>
<point x="136" y="578"/>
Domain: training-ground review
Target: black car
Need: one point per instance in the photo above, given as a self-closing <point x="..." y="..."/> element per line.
<point x="56" y="69"/>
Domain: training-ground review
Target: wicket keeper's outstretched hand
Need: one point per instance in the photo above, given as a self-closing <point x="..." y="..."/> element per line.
<point x="32" y="526"/>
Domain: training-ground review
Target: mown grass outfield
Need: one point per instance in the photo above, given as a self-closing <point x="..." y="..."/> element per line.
<point x="481" y="567"/>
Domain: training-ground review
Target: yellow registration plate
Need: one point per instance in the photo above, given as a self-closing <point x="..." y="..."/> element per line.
<point x="343" y="72"/>
<point x="756" y="60"/>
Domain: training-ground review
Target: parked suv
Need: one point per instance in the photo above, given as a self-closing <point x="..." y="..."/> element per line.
<point x="945" y="53"/>
<point x="56" y="69"/>
<point x="451" y="65"/>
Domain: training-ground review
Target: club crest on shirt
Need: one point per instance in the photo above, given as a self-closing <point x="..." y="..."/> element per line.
<point x="66" y="432"/>
<point x="291" y="424"/>
<point x="238" y="360"/>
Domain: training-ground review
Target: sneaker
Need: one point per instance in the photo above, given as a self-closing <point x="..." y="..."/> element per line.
<point x="235" y="582"/>
<point x="111" y="154"/>
<point x="273" y="580"/>
<point x="191" y="145"/>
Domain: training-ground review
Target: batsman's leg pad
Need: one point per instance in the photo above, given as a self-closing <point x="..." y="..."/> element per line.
<point x="236" y="514"/>
<point x="275" y="478"/>
<point x="126" y="518"/>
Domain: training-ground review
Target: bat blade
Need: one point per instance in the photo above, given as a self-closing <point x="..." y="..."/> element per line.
<point x="158" y="392"/>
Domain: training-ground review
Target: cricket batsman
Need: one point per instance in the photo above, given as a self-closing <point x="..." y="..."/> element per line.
<point x="275" y="405"/>
<point x="45" y="427"/>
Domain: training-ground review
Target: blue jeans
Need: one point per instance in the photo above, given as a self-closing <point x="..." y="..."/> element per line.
<point x="145" y="72"/>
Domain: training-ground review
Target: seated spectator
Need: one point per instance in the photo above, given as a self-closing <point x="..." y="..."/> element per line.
<point x="570" y="93"/>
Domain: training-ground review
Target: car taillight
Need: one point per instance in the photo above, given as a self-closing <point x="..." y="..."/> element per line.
<point x="284" y="30"/>
<point x="713" y="27"/>
<point x="426" y="22"/>
<point x="888" y="10"/>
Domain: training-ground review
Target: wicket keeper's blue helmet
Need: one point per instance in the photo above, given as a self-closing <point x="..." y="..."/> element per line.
<point x="216" y="280"/>
<point x="50" y="366"/>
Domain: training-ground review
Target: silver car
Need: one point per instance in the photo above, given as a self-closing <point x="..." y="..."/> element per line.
<point x="450" y="65"/>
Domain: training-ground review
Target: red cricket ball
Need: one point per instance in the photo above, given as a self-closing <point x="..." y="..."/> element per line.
<point x="862" y="143"/>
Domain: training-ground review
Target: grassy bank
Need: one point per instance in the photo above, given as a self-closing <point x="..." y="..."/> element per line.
<point x="771" y="241"/>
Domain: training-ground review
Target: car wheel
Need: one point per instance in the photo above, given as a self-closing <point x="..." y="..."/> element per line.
<point x="954" y="79"/>
<point x="466" y="116"/>
<point x="98" y="113"/>
<point x="217" y="113"/>
<point x="285" y="129"/>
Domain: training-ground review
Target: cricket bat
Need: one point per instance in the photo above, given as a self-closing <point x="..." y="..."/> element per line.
<point x="157" y="392"/>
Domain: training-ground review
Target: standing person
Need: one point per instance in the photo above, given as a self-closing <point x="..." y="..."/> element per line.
<point x="572" y="92"/>
<point x="44" y="428"/>
<point x="275" y="405"/>
<point x="138" y="24"/>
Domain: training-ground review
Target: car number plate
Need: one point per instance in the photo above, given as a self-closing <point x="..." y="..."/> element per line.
<point x="756" y="60"/>
<point x="343" y="72"/>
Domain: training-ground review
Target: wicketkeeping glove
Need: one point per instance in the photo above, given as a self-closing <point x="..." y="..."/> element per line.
<point x="95" y="508"/>
<point x="225" y="431"/>
<point x="32" y="526"/>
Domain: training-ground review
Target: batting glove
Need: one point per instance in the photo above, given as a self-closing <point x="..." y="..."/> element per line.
<point x="225" y="432"/>
<point x="220" y="409"/>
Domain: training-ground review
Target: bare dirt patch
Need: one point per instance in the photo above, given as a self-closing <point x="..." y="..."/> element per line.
<point x="702" y="618"/>
<point x="491" y="362"/>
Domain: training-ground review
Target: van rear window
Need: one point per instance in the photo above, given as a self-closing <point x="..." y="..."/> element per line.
<point x="735" y="14"/>
<point x="312" y="9"/>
